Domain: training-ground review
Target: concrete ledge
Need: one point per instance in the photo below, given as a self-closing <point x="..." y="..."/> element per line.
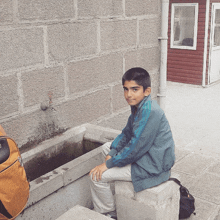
<point x="156" y="203"/>
<point x="63" y="175"/>
<point x="82" y="213"/>
<point x="44" y="186"/>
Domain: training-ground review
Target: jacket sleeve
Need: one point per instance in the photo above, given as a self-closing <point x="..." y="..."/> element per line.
<point x="122" y="139"/>
<point x="145" y="128"/>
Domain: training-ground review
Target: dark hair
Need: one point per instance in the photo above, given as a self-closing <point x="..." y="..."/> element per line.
<point x="139" y="75"/>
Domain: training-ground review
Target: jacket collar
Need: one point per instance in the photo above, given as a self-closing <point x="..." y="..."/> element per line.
<point x="135" y="109"/>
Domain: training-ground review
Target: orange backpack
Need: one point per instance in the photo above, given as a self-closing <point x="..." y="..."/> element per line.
<point x="14" y="187"/>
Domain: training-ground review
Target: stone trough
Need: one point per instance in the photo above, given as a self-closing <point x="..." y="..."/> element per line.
<point x="53" y="192"/>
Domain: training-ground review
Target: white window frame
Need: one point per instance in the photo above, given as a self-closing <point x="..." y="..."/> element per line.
<point x="196" y="5"/>
<point x="214" y="25"/>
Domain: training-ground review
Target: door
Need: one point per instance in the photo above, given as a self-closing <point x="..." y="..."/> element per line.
<point x="214" y="68"/>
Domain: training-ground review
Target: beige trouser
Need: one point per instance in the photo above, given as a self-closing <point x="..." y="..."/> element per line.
<point x="102" y="197"/>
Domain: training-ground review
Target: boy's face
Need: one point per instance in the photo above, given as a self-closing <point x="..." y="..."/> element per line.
<point x="134" y="93"/>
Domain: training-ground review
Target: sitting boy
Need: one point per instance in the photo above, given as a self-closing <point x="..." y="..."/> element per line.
<point x="143" y="153"/>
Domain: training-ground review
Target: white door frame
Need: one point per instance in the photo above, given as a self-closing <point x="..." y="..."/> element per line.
<point x="212" y="48"/>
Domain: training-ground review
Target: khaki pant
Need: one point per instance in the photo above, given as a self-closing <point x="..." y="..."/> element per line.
<point x="102" y="197"/>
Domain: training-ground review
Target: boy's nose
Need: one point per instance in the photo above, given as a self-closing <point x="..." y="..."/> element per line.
<point x="129" y="93"/>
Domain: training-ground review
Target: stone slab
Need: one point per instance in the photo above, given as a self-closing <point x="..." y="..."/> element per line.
<point x="6" y="8"/>
<point x="8" y="94"/>
<point x="149" y="37"/>
<point x="41" y="85"/>
<point x="139" y="212"/>
<point x="99" y="8"/>
<point x="148" y="58"/>
<point x="206" y="187"/>
<point x="118" y="100"/>
<point x="204" y="210"/>
<point x="89" y="106"/>
<point x="65" y="40"/>
<point x="215" y="168"/>
<point x="21" y="47"/>
<point x="193" y="164"/>
<point x="118" y="34"/>
<point x="102" y="70"/>
<point x="180" y="153"/>
<point x="45" y="10"/>
<point x="139" y="7"/>
<point x="156" y="203"/>
<point x="82" y="213"/>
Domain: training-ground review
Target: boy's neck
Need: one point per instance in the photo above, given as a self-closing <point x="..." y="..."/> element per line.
<point x="135" y="107"/>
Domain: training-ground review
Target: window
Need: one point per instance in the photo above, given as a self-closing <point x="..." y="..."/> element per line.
<point x="217" y="28"/>
<point x="184" y="25"/>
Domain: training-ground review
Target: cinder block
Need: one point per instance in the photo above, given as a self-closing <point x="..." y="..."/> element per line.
<point x="147" y="58"/>
<point x="116" y="121"/>
<point x="84" y="109"/>
<point x="8" y="94"/>
<point x="102" y="134"/>
<point x="156" y="203"/>
<point x="118" y="34"/>
<point x="79" y="212"/>
<point x="200" y="163"/>
<point x="40" y="85"/>
<point x="99" y="8"/>
<point x="6" y="9"/>
<point x="118" y="100"/>
<point x="101" y="70"/>
<point x="22" y="47"/>
<point x="45" y="9"/>
<point x="70" y="40"/>
<point x="149" y="31"/>
<point x="139" y="7"/>
<point x="129" y="209"/>
<point x="155" y="83"/>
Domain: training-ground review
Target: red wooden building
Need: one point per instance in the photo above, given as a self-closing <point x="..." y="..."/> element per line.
<point x="194" y="41"/>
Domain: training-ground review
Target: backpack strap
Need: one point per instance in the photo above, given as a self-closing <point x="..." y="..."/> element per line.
<point x="175" y="180"/>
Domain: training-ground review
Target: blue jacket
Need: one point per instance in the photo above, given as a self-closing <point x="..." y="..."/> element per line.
<point x="147" y="144"/>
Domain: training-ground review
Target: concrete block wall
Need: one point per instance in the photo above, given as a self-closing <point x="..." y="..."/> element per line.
<point x="69" y="56"/>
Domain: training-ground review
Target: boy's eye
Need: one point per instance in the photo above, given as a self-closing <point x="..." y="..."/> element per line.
<point x="135" y="90"/>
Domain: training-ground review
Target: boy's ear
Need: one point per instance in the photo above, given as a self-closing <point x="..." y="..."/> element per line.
<point x="147" y="91"/>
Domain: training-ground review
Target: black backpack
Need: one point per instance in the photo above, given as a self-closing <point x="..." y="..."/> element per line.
<point x="187" y="201"/>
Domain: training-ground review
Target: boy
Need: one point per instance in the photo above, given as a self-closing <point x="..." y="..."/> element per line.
<point x="143" y="153"/>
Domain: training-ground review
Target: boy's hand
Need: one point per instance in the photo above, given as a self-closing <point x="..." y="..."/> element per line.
<point x="97" y="171"/>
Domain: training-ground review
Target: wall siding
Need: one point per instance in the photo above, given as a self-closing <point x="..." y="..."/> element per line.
<point x="186" y="66"/>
